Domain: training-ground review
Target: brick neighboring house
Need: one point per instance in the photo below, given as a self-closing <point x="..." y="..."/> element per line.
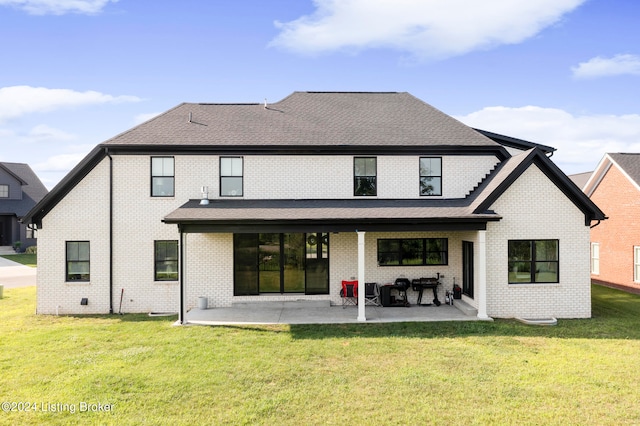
<point x="20" y="191"/>
<point x="615" y="243"/>
<point x="304" y="193"/>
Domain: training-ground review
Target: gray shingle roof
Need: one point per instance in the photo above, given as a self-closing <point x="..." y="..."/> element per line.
<point x="307" y="119"/>
<point x="32" y="190"/>
<point x="580" y="179"/>
<point x="359" y="209"/>
<point x="630" y="163"/>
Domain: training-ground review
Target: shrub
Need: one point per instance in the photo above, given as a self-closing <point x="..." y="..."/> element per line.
<point x="32" y="250"/>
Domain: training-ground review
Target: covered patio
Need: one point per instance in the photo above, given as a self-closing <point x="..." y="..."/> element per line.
<point x="321" y="312"/>
<point x="331" y="216"/>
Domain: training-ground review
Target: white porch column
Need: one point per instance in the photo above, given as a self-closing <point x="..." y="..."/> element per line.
<point x="482" y="275"/>
<point x="183" y="285"/>
<point x="361" y="279"/>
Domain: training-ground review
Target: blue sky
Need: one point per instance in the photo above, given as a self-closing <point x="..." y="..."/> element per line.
<point x="564" y="73"/>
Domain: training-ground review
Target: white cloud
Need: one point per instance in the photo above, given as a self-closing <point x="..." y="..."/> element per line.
<point x="141" y="118"/>
<point x="16" y="101"/>
<point x="44" y="132"/>
<point x="425" y="28"/>
<point x="60" y="162"/>
<point x="581" y="140"/>
<point x="58" y="7"/>
<point x="605" y="67"/>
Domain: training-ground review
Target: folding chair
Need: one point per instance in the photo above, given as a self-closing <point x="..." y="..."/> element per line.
<point x="371" y="294"/>
<point x="349" y="293"/>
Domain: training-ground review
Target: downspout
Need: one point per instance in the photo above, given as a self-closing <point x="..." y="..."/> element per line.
<point x="597" y="223"/>
<point x="106" y="151"/>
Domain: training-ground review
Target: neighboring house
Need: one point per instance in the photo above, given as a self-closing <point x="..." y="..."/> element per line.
<point x="580" y="179"/>
<point x="304" y="193"/>
<point x="20" y="190"/>
<point x="615" y="243"/>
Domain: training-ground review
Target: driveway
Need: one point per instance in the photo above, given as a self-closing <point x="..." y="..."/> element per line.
<point x="13" y="274"/>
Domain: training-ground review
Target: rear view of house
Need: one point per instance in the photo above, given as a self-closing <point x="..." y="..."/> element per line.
<point x="20" y="190"/>
<point x="283" y="201"/>
<point x="615" y="243"/>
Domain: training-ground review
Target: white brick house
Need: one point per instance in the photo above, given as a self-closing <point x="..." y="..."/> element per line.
<point x="307" y="192"/>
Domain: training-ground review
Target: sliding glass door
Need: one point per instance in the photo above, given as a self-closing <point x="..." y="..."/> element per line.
<point x="281" y="263"/>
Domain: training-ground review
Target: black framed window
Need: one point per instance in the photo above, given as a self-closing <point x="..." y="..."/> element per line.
<point x="166" y="260"/>
<point x="413" y="252"/>
<point x="162" y="177"/>
<point x="231" y="173"/>
<point x="365" y="176"/>
<point x="4" y="191"/>
<point x="533" y="261"/>
<point x="430" y="176"/>
<point x="78" y="261"/>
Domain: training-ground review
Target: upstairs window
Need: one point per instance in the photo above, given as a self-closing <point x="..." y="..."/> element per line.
<point x="4" y="191"/>
<point x="78" y="264"/>
<point x="430" y="176"/>
<point x="231" y="170"/>
<point x="365" y="176"/>
<point x="162" y="177"/>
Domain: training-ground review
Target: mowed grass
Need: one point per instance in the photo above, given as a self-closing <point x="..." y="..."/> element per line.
<point x="577" y="373"/>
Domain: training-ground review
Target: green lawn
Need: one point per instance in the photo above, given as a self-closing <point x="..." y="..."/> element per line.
<point x="580" y="372"/>
<point x="23" y="258"/>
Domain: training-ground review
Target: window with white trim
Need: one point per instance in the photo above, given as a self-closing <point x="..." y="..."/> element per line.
<point x="4" y="191"/>
<point x="162" y="177"/>
<point x="595" y="258"/>
<point x="636" y="264"/>
<point x="231" y="176"/>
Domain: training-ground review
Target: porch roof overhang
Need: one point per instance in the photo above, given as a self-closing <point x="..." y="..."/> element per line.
<point x="382" y="215"/>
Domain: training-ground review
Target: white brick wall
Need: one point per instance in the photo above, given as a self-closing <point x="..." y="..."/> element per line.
<point x="326" y="177"/>
<point x="84" y="215"/>
<point x="534" y="208"/>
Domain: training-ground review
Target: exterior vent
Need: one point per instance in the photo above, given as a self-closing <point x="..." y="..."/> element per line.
<point x="204" y="201"/>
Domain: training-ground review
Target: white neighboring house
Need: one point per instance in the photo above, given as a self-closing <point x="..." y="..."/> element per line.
<point x="304" y="193"/>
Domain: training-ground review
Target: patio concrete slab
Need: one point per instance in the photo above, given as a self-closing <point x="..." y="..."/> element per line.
<point x="298" y="313"/>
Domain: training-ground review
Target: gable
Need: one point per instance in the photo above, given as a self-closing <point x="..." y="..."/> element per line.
<point x="25" y="189"/>
<point x="12" y="184"/>
<point x="7" y="177"/>
<point x="511" y="169"/>
<point x="534" y="200"/>
<point x="616" y="191"/>
<point x="627" y="164"/>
